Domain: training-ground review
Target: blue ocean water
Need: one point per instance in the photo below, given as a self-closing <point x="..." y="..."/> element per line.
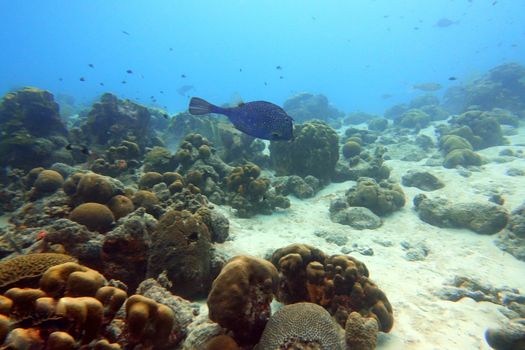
<point x="363" y="55"/>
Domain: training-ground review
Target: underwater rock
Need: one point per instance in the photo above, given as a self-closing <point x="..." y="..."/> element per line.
<point x="512" y="302"/>
<point x="512" y="239"/>
<point x="381" y="198"/>
<point x="76" y="240"/>
<point x="483" y="218"/>
<point x="337" y="238"/>
<point x="378" y="124"/>
<point x="364" y="165"/>
<point x="415" y="252"/>
<point x="25" y="142"/>
<point x="395" y="111"/>
<point x="160" y="160"/>
<point x="423" y="180"/>
<point x="510" y="336"/>
<point x="304" y="107"/>
<point x="240" y="148"/>
<point x="112" y="121"/>
<point x="502" y="87"/>
<point x="181" y="246"/>
<point x="218" y="224"/>
<point x="297" y="186"/>
<point x="360" y="218"/>
<point x="314" y="151"/>
<point x="125" y="249"/>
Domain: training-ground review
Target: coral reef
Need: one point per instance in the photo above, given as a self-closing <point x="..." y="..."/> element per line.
<point x="502" y="87"/>
<point x="240" y="297"/>
<point x="76" y="308"/>
<point x="365" y="164"/>
<point x="314" y="151"/>
<point x="250" y="193"/>
<point x="181" y="246"/>
<point x="125" y="121"/>
<point x="297" y="186"/>
<point x="378" y="124"/>
<point x="339" y="283"/>
<point x="159" y="159"/>
<point x="484" y="218"/>
<point x="512" y="239"/>
<point x="25" y="142"/>
<point x="301" y="326"/>
<point x="414" y="119"/>
<point x="381" y="198"/>
<point x="19" y="269"/>
<point x="304" y="107"/>
<point x="458" y="152"/>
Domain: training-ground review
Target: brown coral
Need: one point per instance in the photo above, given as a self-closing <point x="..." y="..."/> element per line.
<point x="71" y="279"/>
<point x="48" y="181"/>
<point x="28" y="267"/>
<point x="95" y="216"/>
<point x="241" y="295"/>
<point x="120" y="206"/>
<point x="340" y="283"/>
<point x="94" y="188"/>
<point x="148" y="321"/>
<point x="361" y="332"/>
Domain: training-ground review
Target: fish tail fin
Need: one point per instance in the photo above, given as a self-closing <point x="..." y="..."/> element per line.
<point x="198" y="106"/>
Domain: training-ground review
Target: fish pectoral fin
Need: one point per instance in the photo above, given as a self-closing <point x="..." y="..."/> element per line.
<point x="275" y="136"/>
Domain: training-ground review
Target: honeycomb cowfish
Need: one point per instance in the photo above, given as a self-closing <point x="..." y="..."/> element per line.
<point x="260" y="119"/>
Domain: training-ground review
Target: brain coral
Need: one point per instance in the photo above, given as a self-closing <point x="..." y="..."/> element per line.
<point x="299" y="324"/>
<point x="30" y="266"/>
<point x="96" y="217"/>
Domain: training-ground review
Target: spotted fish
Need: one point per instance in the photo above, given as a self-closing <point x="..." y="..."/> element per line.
<point x="260" y="119"/>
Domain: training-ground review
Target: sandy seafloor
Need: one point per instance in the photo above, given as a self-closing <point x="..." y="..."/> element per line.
<point x="422" y="320"/>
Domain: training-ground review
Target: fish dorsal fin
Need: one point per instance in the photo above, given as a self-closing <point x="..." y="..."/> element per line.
<point x="236" y="100"/>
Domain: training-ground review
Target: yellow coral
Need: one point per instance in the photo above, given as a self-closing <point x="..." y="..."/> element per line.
<point x="71" y="279"/>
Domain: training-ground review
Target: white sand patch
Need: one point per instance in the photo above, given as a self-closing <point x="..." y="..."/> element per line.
<point x="422" y="320"/>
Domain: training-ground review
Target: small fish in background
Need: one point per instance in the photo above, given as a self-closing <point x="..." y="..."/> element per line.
<point x="60" y="79"/>
<point x="161" y="91"/>
<point x="183" y="76"/>
<point x="281" y="77"/>
<point x="123" y="82"/>
<point x="171" y="48"/>
<point x="278" y="67"/>
<point x="101" y="84"/>
<point x="83" y="149"/>
<point x="494" y="3"/>
<point x="445" y="22"/>
<point x="428" y="87"/>
<point x="90" y="65"/>
<point x="240" y="70"/>
<point x="452" y="78"/>
<point x="82" y="79"/>
<point x="184" y="89"/>
<point x="385" y="96"/>
<point x="260" y="119"/>
<point x="124" y="32"/>
<point x="265" y="84"/>
<point x="129" y="71"/>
